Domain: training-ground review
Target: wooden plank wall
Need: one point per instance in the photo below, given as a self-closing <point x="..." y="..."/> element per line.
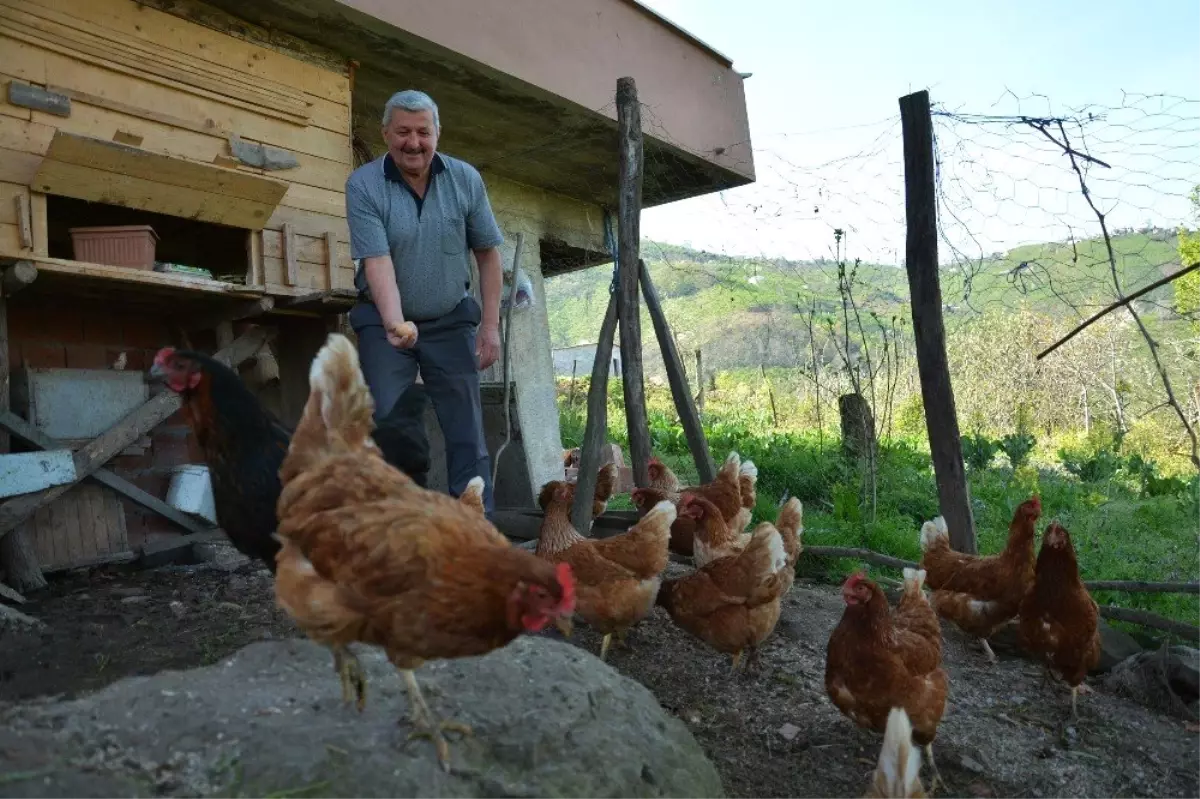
<point x="191" y="89"/>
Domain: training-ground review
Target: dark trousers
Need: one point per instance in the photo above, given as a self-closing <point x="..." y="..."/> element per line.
<point x="445" y="355"/>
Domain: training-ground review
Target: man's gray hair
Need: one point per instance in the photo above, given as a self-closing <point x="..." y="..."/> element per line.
<point x="411" y="100"/>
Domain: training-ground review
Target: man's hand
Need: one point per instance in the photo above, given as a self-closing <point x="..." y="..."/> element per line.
<point x="401" y="335"/>
<point x="487" y="345"/>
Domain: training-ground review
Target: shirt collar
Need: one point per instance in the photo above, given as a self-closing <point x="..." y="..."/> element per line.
<point x="392" y="172"/>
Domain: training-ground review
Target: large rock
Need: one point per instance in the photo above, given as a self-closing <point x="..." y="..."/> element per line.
<point x="549" y="720"/>
<point x="1167" y="680"/>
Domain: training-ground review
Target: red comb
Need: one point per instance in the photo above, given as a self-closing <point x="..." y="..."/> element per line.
<point x="854" y="579"/>
<point x="566" y="581"/>
<point x="161" y="356"/>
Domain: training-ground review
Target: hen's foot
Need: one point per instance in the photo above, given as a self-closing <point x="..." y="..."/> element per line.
<point x="427" y="726"/>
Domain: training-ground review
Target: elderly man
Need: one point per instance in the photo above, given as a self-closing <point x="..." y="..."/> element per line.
<point x="415" y="216"/>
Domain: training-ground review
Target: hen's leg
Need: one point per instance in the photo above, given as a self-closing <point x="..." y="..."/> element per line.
<point x="737" y="658"/>
<point x="937" y="776"/>
<point x="752" y="662"/>
<point x="354" y="679"/>
<point x="426" y="726"/>
<point x="605" y="644"/>
<point x="987" y="651"/>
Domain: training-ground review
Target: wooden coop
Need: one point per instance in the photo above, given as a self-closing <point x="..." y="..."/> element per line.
<point x="161" y="182"/>
<point x="173" y="171"/>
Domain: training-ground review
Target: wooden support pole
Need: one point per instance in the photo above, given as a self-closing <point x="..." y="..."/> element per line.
<point x="595" y="429"/>
<point x="629" y="213"/>
<point x="18" y="555"/>
<point x="700" y="381"/>
<point x="689" y="418"/>
<point x="921" y="262"/>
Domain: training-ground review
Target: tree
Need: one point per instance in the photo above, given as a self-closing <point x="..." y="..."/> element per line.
<point x="1187" y="288"/>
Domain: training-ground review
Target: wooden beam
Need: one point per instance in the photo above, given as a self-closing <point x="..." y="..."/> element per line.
<point x="26" y="472"/>
<point x="254" y="257"/>
<point x="1145" y="618"/>
<point x="23" y="430"/>
<point x="629" y="213"/>
<point x="24" y="220"/>
<point x="595" y="430"/>
<point x="136" y="424"/>
<point x="234" y="313"/>
<point x="17" y="276"/>
<point x="11" y="595"/>
<point x="163" y="549"/>
<point x="677" y="377"/>
<point x="327" y="300"/>
<point x="921" y="262"/>
<point x="291" y="269"/>
<point x="331" y="257"/>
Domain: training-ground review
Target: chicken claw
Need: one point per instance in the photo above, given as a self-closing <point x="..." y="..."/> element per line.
<point x="354" y="679"/>
<point x="426" y="727"/>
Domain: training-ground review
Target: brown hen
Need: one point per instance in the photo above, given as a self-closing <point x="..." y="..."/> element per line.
<point x="980" y="593"/>
<point x="1059" y="619"/>
<point x="878" y="659"/>
<point x="731" y="603"/>
<point x="617" y="578"/>
<point x="367" y="555"/>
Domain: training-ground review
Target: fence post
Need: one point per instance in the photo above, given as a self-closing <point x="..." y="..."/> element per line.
<point x="595" y="430"/>
<point x="921" y="263"/>
<point x="629" y="211"/>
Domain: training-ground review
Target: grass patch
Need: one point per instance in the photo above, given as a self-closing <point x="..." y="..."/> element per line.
<point x="1121" y="531"/>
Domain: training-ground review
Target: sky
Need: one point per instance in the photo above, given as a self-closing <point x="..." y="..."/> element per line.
<point x="824" y="120"/>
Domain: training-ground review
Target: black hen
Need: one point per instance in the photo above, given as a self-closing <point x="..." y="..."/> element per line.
<point x="244" y="444"/>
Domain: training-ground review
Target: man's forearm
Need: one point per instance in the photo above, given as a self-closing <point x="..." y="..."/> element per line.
<point x="381" y="279"/>
<point x="491" y="279"/>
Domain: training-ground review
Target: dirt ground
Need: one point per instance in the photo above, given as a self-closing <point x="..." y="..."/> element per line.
<point x="771" y="732"/>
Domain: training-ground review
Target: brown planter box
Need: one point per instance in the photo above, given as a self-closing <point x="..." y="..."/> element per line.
<point x="122" y="245"/>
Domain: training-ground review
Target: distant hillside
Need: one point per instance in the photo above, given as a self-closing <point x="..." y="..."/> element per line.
<point x="745" y="312"/>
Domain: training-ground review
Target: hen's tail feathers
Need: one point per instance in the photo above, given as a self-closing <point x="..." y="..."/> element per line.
<point x="914" y="579"/>
<point x="656" y="524"/>
<point x="732" y="466"/>
<point x="790" y="524"/>
<point x="765" y="558"/>
<point x="339" y="399"/>
<point x="606" y="482"/>
<point x="472" y="495"/>
<point x="933" y="533"/>
<point x="898" y="773"/>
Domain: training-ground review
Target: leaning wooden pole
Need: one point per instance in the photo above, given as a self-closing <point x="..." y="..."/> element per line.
<point x="689" y="418"/>
<point x="595" y="430"/>
<point x="921" y="261"/>
<point x="629" y="214"/>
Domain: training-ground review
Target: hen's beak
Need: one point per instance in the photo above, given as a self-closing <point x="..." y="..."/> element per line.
<point x="564" y="625"/>
<point x="155" y="374"/>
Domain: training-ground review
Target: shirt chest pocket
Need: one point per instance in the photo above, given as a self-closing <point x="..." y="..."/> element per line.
<point x="453" y="234"/>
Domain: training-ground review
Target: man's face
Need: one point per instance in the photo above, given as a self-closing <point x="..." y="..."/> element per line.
<point x="411" y="139"/>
